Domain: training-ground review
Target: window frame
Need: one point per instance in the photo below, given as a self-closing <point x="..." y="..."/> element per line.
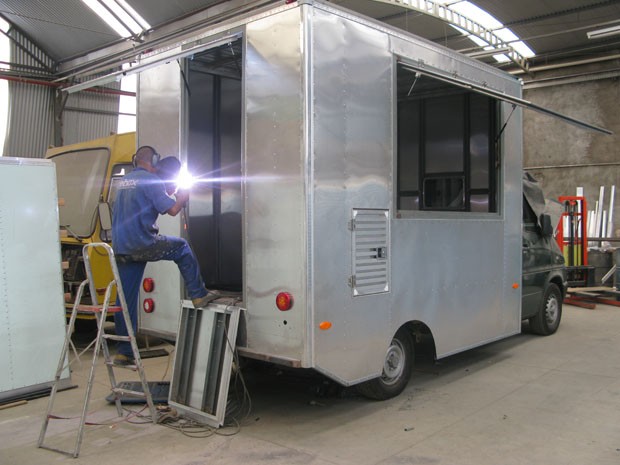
<point x="493" y="192"/>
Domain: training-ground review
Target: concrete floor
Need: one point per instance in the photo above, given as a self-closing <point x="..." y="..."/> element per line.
<point x="524" y="400"/>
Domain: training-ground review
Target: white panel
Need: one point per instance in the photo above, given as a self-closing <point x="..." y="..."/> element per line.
<point x="32" y="314"/>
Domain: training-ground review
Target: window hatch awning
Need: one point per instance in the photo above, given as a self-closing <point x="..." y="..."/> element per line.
<point x="460" y="82"/>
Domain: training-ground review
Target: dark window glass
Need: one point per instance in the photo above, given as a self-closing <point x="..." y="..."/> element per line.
<point x="480" y="116"/>
<point x="444" y="193"/>
<point x="443" y="138"/>
<point x="445" y="146"/>
<point x="409" y="142"/>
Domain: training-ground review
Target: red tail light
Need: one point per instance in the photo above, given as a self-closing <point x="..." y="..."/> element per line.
<point x="284" y="301"/>
<point x="148" y="305"/>
<point x="148" y="284"/>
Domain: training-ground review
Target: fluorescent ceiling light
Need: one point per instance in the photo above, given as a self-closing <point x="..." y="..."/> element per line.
<point x="523" y="49"/>
<point x="491" y="23"/>
<point x="608" y="31"/>
<point x="119" y="16"/>
<point x="477" y="14"/>
<point x="511" y="38"/>
<point x="501" y="58"/>
<point x="108" y="17"/>
<point x="123" y="16"/>
<point x="134" y="14"/>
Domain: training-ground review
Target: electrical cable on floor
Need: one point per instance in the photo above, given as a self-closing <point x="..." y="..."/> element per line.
<point x="170" y="358"/>
<point x="238" y="408"/>
<point x="127" y="419"/>
<point x="238" y="405"/>
<point x="245" y="404"/>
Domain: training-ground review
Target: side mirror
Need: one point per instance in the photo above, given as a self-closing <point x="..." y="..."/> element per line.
<point x="546" y="226"/>
<point x="105" y="216"/>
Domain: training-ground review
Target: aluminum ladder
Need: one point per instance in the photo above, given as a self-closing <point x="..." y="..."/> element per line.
<point x="100" y="311"/>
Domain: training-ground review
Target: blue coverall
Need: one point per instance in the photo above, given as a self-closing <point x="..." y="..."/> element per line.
<point x="140" y="199"/>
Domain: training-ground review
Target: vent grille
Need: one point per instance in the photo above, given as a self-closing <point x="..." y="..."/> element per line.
<point x="371" y="235"/>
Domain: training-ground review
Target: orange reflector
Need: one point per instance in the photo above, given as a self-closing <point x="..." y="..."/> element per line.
<point x="515" y="285"/>
<point x="325" y="325"/>
<point x="148" y="284"/>
<point x="284" y="301"/>
<point x="148" y="305"/>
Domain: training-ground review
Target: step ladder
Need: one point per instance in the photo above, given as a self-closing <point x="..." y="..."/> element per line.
<point x="100" y="311"/>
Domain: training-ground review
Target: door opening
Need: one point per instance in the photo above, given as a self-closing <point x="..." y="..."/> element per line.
<point x="214" y="147"/>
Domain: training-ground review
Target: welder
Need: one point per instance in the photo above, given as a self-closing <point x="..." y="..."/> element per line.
<point x="143" y="196"/>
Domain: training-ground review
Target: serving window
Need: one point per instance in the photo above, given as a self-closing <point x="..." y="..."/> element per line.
<point x="446" y="146"/>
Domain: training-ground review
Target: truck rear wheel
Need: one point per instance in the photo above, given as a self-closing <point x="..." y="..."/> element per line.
<point x="547" y="320"/>
<point x="396" y="369"/>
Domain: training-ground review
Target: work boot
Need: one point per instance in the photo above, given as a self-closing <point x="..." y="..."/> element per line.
<point x="201" y="302"/>
<point x="122" y="359"/>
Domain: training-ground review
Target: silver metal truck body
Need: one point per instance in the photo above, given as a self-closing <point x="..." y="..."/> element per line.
<point x="312" y="194"/>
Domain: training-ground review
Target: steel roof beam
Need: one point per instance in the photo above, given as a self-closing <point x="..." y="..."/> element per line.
<point x="555" y="14"/>
<point x="446" y="14"/>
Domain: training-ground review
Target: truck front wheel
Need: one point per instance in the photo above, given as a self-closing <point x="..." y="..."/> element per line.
<point x="396" y="369"/>
<point x="547" y="320"/>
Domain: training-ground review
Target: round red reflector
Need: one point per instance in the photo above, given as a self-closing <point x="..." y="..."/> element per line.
<point x="148" y="305"/>
<point x="148" y="284"/>
<point x="284" y="301"/>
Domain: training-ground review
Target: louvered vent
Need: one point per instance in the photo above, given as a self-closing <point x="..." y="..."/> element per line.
<point x="371" y="236"/>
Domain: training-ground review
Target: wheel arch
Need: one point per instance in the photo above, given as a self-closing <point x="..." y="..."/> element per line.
<point x="422" y="335"/>
<point x="559" y="281"/>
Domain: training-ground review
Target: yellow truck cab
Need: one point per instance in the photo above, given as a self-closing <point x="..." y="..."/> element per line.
<point x="87" y="173"/>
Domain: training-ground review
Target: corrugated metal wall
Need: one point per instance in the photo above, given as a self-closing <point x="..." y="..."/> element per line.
<point x="30" y="123"/>
<point x="87" y="115"/>
<point x="31" y="115"/>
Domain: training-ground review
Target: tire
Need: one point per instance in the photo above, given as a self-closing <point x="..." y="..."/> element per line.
<point x="547" y="320"/>
<point x="396" y="369"/>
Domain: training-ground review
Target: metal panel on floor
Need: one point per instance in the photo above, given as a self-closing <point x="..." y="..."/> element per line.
<point x="203" y="362"/>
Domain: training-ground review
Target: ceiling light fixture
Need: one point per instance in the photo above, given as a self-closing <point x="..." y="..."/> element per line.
<point x="119" y="15"/>
<point x="600" y="33"/>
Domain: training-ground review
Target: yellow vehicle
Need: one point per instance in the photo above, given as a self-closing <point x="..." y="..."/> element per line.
<point x="87" y="173"/>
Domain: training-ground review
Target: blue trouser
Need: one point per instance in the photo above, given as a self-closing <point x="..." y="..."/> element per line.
<point x="131" y="270"/>
<point x="131" y="276"/>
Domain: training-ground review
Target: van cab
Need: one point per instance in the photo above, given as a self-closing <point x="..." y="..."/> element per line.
<point x="87" y="175"/>
<point x="544" y="281"/>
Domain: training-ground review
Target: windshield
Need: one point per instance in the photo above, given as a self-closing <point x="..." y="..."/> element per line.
<point x="118" y="172"/>
<point x="80" y="177"/>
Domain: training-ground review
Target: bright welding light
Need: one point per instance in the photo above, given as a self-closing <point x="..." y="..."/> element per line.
<point x="185" y="180"/>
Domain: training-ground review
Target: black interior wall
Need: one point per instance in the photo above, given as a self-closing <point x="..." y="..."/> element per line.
<point x="214" y="156"/>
